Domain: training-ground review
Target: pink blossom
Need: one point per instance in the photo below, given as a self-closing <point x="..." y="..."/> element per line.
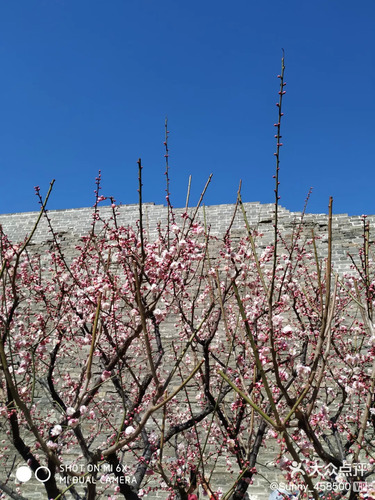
<point x="70" y="411"/>
<point x="56" y="430"/>
<point x="287" y="329"/>
<point x="105" y="375"/>
<point x="51" y="445"/>
<point x="158" y="314"/>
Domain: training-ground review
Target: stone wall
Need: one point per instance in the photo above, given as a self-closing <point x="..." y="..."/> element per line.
<point x="72" y="224"/>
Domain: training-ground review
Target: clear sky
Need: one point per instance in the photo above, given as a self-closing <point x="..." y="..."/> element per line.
<point x="86" y="85"/>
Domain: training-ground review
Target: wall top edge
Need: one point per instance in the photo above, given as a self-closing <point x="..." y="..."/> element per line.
<point x="161" y="206"/>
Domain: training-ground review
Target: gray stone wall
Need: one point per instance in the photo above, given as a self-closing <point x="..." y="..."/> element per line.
<point x="72" y="224"/>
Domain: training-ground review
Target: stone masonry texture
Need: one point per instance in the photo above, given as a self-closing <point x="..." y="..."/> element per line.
<point x="70" y="225"/>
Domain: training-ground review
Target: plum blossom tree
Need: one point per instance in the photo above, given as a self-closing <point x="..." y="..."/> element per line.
<point x="144" y="365"/>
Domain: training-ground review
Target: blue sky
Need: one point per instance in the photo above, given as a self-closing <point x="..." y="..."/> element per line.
<point x="86" y="85"/>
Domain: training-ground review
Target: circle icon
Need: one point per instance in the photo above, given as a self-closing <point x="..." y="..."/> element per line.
<point x="23" y="474"/>
<point x="42" y="480"/>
